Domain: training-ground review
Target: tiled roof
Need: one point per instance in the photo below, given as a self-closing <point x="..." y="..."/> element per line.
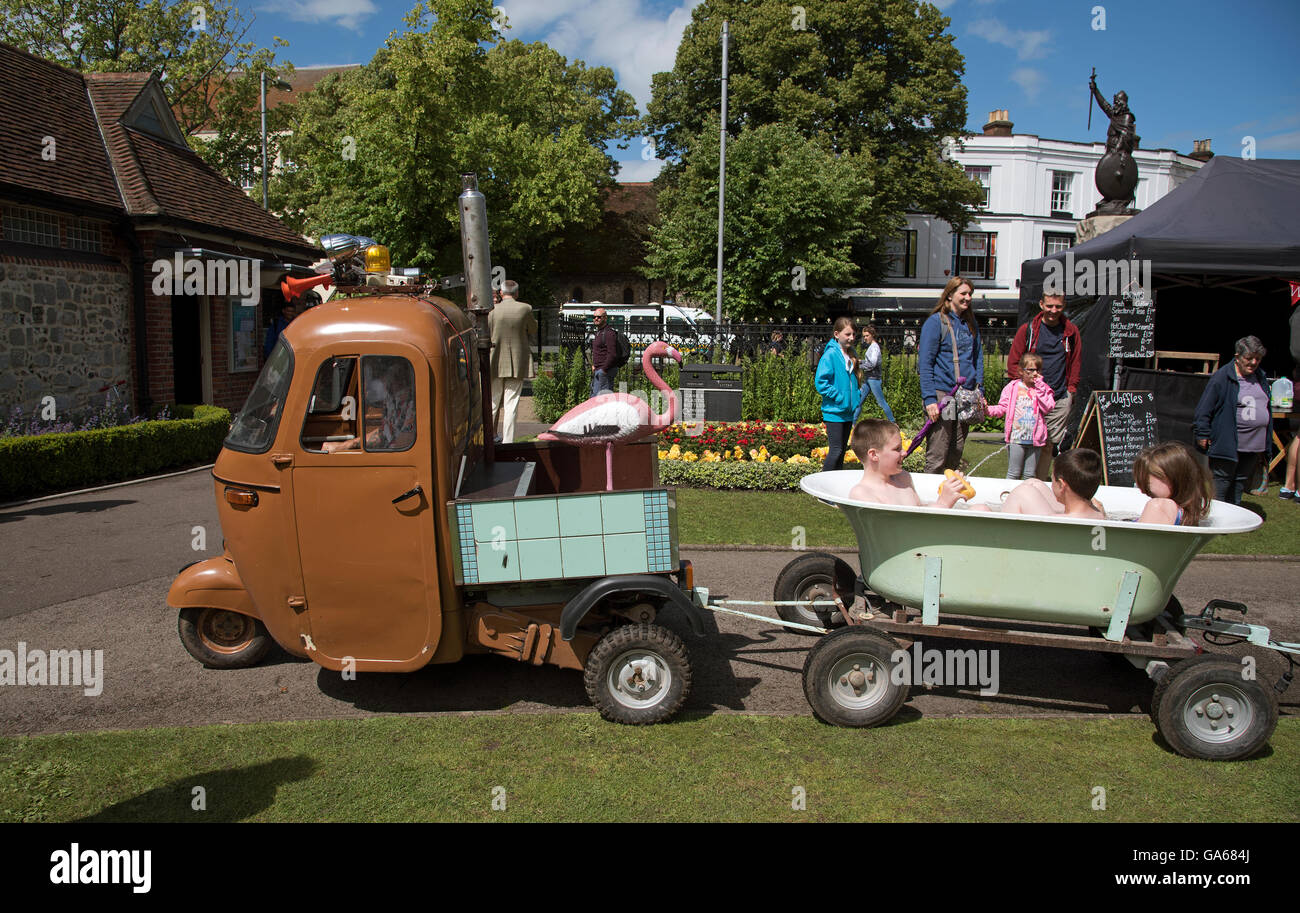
<point x="103" y="161"/>
<point x="42" y="99"/>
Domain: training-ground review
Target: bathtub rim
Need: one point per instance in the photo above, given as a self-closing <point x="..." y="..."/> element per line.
<point x="1245" y="520"/>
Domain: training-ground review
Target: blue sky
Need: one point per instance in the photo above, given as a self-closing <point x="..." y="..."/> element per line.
<point x="1193" y="69"/>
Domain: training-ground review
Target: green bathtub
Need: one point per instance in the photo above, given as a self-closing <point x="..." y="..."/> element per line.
<point x="1045" y="569"/>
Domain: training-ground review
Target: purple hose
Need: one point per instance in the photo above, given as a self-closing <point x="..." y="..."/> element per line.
<point x="925" y="429"/>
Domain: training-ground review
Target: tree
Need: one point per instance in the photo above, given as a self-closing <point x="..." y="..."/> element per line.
<point x="875" y="81"/>
<point x="794" y="210"/>
<point x="379" y="151"/>
<point x="209" y="73"/>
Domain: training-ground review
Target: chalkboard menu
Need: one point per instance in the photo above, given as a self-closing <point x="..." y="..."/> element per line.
<point x="1132" y="326"/>
<point x="1118" y="424"/>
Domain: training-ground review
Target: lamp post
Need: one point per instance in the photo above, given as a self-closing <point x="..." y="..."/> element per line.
<point x="276" y="84"/>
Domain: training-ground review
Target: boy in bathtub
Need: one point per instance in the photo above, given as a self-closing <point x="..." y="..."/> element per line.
<point x="879" y="446"/>
<point x="1076" y="474"/>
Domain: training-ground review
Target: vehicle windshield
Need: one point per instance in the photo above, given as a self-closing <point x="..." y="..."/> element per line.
<point x="254" y="427"/>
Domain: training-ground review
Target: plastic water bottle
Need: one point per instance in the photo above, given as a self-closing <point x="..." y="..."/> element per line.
<point x="1283" y="393"/>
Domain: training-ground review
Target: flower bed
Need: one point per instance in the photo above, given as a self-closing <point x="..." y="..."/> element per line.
<point x="775" y="439"/>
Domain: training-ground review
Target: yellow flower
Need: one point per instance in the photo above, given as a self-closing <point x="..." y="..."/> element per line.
<point x="689" y="458"/>
<point x="674" y="452"/>
<point x="775" y="459"/>
<point x="768" y="427"/>
<point x="850" y="457"/>
<point x="663" y="454"/>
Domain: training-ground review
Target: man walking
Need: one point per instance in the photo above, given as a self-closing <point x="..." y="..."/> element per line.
<point x="604" y="352"/>
<point x="1056" y="339"/>
<point x="513" y="327"/>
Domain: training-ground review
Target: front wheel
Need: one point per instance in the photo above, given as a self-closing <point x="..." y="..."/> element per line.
<point x="814" y="577"/>
<point x="221" y="639"/>
<point x="849" y="678"/>
<point x="1206" y="709"/>
<point x="638" y="674"/>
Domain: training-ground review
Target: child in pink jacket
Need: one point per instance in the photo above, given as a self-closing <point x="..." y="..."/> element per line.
<point x="1025" y="403"/>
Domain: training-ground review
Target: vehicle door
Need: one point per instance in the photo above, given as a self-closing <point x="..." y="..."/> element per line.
<point x="362" y="488"/>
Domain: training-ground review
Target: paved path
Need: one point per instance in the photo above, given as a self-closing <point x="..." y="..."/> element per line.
<point x="92" y="571"/>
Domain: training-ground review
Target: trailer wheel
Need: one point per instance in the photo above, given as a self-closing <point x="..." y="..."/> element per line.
<point x="1205" y="709"/>
<point x="221" y="639"/>
<point x="848" y="678"/>
<point x="815" y="576"/>
<point x="638" y="674"/>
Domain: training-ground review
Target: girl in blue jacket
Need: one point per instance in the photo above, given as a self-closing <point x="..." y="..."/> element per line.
<point x="838" y="385"/>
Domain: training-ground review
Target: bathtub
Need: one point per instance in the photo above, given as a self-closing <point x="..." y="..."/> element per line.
<point x="1106" y="574"/>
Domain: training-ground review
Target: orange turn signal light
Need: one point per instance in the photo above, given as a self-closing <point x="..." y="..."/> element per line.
<point x="241" y="497"/>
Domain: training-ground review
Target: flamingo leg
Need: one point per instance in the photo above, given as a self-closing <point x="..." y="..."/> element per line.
<point x="609" y="466"/>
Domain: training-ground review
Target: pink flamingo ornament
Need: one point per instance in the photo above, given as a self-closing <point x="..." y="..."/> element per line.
<point x="616" y="418"/>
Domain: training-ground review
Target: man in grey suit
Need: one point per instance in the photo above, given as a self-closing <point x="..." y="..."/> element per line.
<point x="513" y="328"/>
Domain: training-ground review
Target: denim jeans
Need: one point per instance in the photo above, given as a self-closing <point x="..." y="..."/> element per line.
<point x="1231" y="478"/>
<point x="1022" y="460"/>
<point x="601" y="382"/>
<point x="873" y="385"/>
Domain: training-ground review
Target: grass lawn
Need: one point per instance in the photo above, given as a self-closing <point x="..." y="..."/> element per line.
<point x="576" y="767"/>
<point x="709" y="517"/>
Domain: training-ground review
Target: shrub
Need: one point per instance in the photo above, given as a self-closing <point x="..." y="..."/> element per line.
<point x="58" y="462"/>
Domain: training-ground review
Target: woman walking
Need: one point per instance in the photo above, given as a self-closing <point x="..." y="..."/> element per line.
<point x="872" y="376"/>
<point x="838" y="386"/>
<point x="950" y="349"/>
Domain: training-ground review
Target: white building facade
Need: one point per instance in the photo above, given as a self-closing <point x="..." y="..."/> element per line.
<point x="1035" y="191"/>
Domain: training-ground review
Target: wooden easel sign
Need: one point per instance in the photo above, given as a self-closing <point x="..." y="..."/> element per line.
<point x="1118" y="424"/>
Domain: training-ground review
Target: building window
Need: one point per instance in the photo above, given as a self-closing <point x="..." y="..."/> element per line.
<point x="576" y="295"/>
<point x="1054" y="243"/>
<point x="1062" y="184"/>
<point x="628" y="296"/>
<point x="85" y="234"/>
<point x="31" y="226"/>
<point x="983" y="175"/>
<point x="974" y="254"/>
<point x="901" y="256"/>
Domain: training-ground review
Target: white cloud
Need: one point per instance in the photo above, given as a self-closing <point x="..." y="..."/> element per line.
<point x="1028" y="45"/>
<point x="347" y="13"/>
<point x="638" y="170"/>
<point x="625" y="35"/>
<point x="1031" y="81"/>
<point x="1283" y="142"/>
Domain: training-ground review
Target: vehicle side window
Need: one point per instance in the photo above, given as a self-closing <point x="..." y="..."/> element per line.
<point x="645" y="325"/>
<point x="388" y="403"/>
<point x="254" y="428"/>
<point x="460" y="404"/>
<point x="333" y="408"/>
<point x="679" y="327"/>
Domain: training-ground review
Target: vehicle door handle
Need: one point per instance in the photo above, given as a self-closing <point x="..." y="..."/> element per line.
<point x="414" y="491"/>
<point x="282" y="459"/>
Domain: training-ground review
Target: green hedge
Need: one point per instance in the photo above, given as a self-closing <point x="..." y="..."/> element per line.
<point x="45" y="463"/>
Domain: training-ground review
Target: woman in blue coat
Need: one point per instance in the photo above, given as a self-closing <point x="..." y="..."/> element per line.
<point x="838" y="385"/>
<point x="1233" y="425"/>
<point x="950" y="325"/>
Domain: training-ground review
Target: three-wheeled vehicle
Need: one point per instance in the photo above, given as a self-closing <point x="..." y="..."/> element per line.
<point x="369" y="526"/>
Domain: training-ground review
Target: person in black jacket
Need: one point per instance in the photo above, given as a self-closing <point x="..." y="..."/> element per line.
<point x="1233" y="424"/>
<point x="604" y="351"/>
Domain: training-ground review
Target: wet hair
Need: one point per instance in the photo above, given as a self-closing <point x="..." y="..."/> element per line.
<point x="1176" y="464"/>
<point x="944" y="304"/>
<point x="1080" y="469"/>
<point x="1250" y="345"/>
<point x="1034" y="358"/>
<point x="872" y="434"/>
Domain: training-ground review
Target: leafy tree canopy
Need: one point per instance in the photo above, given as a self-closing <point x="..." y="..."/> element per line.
<point x="379" y="151"/>
<point x="874" y="82"/>
<point x="197" y="49"/>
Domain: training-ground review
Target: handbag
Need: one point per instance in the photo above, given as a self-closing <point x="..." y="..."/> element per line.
<point x="964" y="405"/>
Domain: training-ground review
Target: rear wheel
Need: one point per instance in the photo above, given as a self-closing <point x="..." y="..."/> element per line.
<point x="221" y="639"/>
<point x="1206" y="709"/>
<point x="638" y="674"/>
<point x="813" y="577"/>
<point x="848" y="678"/>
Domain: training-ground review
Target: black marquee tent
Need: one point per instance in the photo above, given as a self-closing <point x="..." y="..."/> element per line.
<point x="1222" y="247"/>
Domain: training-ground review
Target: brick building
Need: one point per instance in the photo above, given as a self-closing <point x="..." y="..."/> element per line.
<point x="102" y="202"/>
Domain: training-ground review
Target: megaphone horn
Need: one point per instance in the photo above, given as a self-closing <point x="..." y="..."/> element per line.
<point x="293" y="289"/>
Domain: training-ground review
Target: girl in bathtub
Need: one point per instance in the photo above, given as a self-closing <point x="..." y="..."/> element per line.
<point x="1177" y="484"/>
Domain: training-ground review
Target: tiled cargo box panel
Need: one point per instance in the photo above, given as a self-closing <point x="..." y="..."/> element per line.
<point x="565" y="536"/>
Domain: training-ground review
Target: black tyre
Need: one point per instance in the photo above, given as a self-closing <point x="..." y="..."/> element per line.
<point x="814" y="576"/>
<point x="638" y="674"/>
<point x="221" y="639"/>
<point x="1205" y="709"/>
<point x="848" y="678"/>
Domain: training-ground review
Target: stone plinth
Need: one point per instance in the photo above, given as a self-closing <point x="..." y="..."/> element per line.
<point x="1091" y="227"/>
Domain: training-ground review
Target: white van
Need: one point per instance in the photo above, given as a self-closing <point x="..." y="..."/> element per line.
<point x="688" y="329"/>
